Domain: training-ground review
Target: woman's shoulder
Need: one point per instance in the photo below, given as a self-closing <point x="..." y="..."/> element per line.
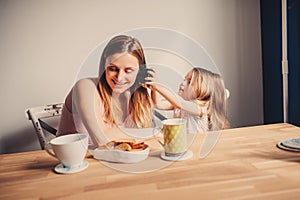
<point x="85" y="86"/>
<point x="87" y="81"/>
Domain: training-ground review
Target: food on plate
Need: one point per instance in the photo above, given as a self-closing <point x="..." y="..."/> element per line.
<point x="140" y="145"/>
<point x="120" y="141"/>
<point x="122" y="151"/>
<point x="126" y="145"/>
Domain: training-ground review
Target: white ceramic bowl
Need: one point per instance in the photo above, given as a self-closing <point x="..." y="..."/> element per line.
<point x="121" y="156"/>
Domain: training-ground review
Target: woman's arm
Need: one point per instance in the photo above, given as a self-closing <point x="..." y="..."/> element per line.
<point x="86" y="102"/>
<point x="83" y="103"/>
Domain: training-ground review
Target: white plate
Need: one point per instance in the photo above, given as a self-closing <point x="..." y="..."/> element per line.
<point x="187" y="155"/>
<point x="279" y="145"/>
<point x="292" y="143"/>
<point x="67" y="170"/>
<point x="121" y="156"/>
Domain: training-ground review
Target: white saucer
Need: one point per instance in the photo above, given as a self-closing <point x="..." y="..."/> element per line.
<point x="67" y="170"/>
<point x="292" y="143"/>
<point x="281" y="146"/>
<point x="187" y="155"/>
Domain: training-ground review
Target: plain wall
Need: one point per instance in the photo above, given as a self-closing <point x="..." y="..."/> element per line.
<point x="44" y="43"/>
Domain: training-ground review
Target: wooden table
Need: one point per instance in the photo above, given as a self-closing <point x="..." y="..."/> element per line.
<point x="245" y="164"/>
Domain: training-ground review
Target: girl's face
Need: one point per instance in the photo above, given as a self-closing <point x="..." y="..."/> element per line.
<point x="121" y="71"/>
<point x="185" y="90"/>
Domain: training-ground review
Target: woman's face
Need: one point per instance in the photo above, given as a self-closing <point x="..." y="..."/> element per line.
<point x="121" y="71"/>
<point x="185" y="90"/>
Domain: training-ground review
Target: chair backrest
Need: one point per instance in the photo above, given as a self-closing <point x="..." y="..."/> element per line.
<point x="45" y="121"/>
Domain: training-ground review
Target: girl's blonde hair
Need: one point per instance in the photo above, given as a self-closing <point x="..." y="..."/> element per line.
<point x="209" y="89"/>
<point x="140" y="104"/>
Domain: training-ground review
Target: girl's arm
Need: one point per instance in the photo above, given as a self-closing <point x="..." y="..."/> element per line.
<point x="156" y="98"/>
<point x="160" y="103"/>
<point x="175" y="100"/>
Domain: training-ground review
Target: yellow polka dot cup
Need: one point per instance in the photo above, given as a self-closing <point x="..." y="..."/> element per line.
<point x="175" y="136"/>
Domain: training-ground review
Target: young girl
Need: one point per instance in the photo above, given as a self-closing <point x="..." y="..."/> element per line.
<point x="100" y="105"/>
<point x="202" y="100"/>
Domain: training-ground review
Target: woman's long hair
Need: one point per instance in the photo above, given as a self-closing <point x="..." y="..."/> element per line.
<point x="210" y="90"/>
<point x="140" y="104"/>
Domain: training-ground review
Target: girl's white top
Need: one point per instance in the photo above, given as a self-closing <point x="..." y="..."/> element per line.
<point x="195" y="123"/>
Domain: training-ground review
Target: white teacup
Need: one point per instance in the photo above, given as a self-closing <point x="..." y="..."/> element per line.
<point x="70" y="150"/>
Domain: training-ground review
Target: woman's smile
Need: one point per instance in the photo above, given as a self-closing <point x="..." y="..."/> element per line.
<point x="119" y="84"/>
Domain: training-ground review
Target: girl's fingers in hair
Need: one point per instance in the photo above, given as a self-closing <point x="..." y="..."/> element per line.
<point x="152" y="72"/>
<point x="146" y="85"/>
<point x="149" y="79"/>
<point x="152" y="77"/>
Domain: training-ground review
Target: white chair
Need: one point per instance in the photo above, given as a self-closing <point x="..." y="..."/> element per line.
<point x="45" y="121"/>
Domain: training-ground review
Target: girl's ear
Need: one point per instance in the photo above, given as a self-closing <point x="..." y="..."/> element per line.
<point x="227" y="93"/>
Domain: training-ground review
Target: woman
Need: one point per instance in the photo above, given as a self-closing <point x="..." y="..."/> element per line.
<point x="100" y="105"/>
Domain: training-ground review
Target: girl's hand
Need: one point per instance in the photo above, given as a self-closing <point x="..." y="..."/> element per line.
<point x="152" y="77"/>
<point x="149" y="80"/>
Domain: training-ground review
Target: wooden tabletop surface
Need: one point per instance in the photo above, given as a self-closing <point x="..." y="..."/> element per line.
<point x="244" y="164"/>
